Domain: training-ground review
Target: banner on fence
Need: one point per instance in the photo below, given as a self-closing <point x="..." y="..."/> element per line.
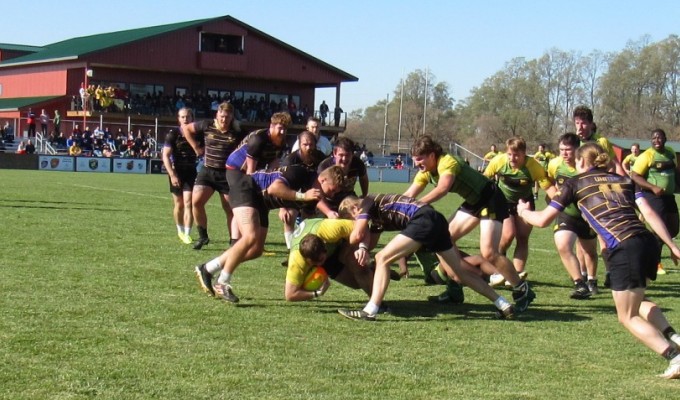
<point x="129" y="165"/>
<point x="93" y="164"/>
<point x="56" y="163"/>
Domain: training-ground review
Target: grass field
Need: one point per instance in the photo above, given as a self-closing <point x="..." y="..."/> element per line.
<point x="98" y="300"/>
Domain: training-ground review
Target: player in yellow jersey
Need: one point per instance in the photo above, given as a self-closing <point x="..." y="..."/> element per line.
<point x="516" y="174"/>
<point x="629" y="160"/>
<point x="325" y="242"/>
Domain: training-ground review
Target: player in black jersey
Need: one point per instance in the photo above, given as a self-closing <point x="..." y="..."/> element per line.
<point x="179" y="159"/>
<point x="221" y="136"/>
<point x="308" y="156"/>
<point x="607" y="202"/>
<point x="420" y="225"/>
<point x="355" y="169"/>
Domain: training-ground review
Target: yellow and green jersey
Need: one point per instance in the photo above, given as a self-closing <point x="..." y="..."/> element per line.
<point x="468" y="183"/>
<point x="559" y="171"/>
<point x="658" y="168"/>
<point x="517" y="183"/>
<point x="331" y="231"/>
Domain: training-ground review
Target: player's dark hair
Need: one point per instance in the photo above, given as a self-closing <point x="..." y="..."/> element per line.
<point x="584" y="113"/>
<point x="311" y="247"/>
<point x="570" y="139"/>
<point x="425" y="145"/>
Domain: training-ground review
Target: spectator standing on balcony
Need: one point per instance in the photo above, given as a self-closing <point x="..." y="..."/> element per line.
<point x="337" y="114"/>
<point x="323" y="111"/>
<point x="44" y="120"/>
<point x="31" y="123"/>
<point x="57" y="123"/>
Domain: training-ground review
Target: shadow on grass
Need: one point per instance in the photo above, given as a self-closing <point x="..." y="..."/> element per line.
<point x="59" y="205"/>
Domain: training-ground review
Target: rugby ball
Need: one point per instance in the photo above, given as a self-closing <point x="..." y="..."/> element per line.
<point x="315" y="278"/>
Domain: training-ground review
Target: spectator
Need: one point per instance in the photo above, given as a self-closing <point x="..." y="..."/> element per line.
<point x="106" y="152"/>
<point x="75" y="149"/>
<point x="323" y="111"/>
<point x="44" y="120"/>
<point x="21" y="149"/>
<point x="30" y="147"/>
<point x="57" y="123"/>
<point x="31" y="123"/>
<point x="337" y="114"/>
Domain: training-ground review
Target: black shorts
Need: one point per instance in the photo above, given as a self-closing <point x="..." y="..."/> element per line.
<point x="429" y="228"/>
<point x="492" y="204"/>
<point x="666" y="207"/>
<point x="214" y="178"/>
<point x="512" y="207"/>
<point x="333" y="265"/>
<point x="244" y="192"/>
<point x="186" y="177"/>
<point x="565" y="222"/>
<point x="633" y="261"/>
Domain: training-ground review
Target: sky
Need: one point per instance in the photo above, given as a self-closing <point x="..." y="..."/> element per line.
<point x="378" y="41"/>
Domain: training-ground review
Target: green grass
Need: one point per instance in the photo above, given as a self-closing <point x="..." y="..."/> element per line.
<point x="98" y="300"/>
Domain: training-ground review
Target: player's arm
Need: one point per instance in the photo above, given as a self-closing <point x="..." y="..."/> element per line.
<point x="642" y="182"/>
<point x="657" y="224"/>
<point x="280" y="189"/>
<point x="442" y="189"/>
<point x="294" y="292"/>
<point x="251" y="165"/>
<point x="165" y="155"/>
<point x="363" y="184"/>
<point x="414" y="190"/>
<point x="190" y="131"/>
<point x="540" y="218"/>
<point x="360" y="232"/>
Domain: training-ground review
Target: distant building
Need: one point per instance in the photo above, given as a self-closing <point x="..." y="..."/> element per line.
<point x="215" y="58"/>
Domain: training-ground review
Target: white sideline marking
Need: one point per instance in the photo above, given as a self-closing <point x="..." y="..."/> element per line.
<point x="123" y="191"/>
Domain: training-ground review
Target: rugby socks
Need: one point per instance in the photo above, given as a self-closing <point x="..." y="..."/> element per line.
<point x="670" y="353"/>
<point x="180" y="229"/>
<point x="213" y="266"/>
<point x="501" y="303"/>
<point x="224" y="278"/>
<point x="187" y="230"/>
<point x="371" y="309"/>
<point x="668" y="333"/>
<point x="202" y="232"/>
<point x="289" y="238"/>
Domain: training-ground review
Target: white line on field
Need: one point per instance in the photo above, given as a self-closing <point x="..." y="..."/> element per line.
<point x="123" y="191"/>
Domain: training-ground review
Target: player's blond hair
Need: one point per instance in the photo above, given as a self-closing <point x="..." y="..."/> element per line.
<point x="346" y="205"/>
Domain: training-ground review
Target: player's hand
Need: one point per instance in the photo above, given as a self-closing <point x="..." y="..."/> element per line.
<point x="174" y="181"/>
<point x="362" y="256"/>
<point x="313" y="194"/>
<point x="324" y="287"/>
<point x="285" y="215"/>
<point x="522" y="206"/>
<point x="332" y="215"/>
<point x="675" y="255"/>
<point x="199" y="151"/>
<point x="658" y="191"/>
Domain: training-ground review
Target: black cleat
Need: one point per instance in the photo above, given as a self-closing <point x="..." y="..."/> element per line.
<point x="226" y="293"/>
<point x="581" y="291"/>
<point x="204" y="279"/>
<point x="201" y="242"/>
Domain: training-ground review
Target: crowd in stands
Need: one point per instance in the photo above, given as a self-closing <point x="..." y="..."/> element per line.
<point x="104" y="143"/>
<point x="249" y="109"/>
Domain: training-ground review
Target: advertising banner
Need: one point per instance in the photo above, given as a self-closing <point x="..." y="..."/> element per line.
<point x="157" y="167"/>
<point x="56" y="163"/>
<point x="129" y="165"/>
<point x="93" y="164"/>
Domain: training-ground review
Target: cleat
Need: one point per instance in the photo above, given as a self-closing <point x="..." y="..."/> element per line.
<point x="673" y="370"/>
<point x="205" y="279"/>
<point x="522" y="276"/>
<point x="357" y="315"/>
<point x="186" y="239"/>
<point x="506" y="313"/>
<point x="226" y="293"/>
<point x="201" y="242"/>
<point x="581" y="291"/>
<point x="394" y="275"/>
<point x="496" y="280"/>
<point x="592" y="286"/>
<point x="452" y="295"/>
<point x="660" y="270"/>
<point x="523" y="296"/>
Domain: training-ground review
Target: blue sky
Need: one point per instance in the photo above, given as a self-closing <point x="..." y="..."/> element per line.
<point x="378" y="41"/>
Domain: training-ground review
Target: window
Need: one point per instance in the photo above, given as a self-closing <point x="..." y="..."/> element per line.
<point x="180" y="91"/>
<point x="143" y="89"/>
<point x="217" y="43"/>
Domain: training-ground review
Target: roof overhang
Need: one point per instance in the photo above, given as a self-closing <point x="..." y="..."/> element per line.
<point x="14" y="104"/>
